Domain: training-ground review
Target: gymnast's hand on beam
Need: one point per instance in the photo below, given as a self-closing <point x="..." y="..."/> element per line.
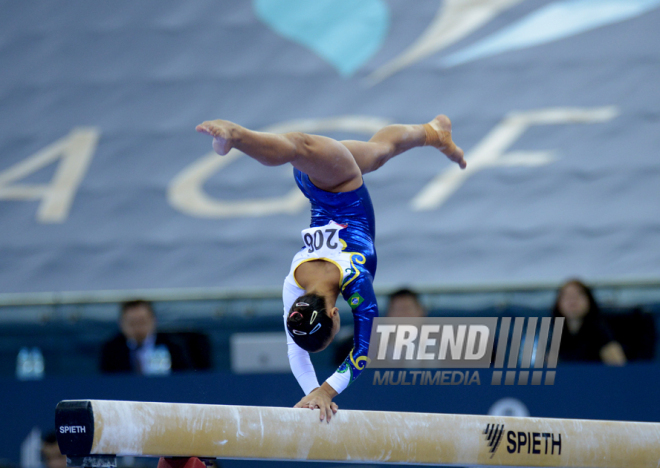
<point x="321" y="398"/>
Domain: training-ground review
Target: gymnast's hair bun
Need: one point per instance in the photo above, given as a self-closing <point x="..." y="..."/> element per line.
<point x="308" y="323"/>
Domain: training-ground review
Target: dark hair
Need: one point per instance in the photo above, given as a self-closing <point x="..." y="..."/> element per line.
<point x="404" y="292"/>
<point x="49" y="437"/>
<point x="308" y="324"/>
<point x="134" y="304"/>
<point x="593" y="311"/>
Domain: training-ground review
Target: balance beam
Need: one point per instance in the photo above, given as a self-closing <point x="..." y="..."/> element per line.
<point x="97" y="427"/>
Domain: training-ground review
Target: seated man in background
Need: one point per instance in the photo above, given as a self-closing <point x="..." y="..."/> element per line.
<point x="133" y="350"/>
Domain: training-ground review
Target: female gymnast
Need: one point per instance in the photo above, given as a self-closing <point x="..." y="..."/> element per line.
<point x="339" y="255"/>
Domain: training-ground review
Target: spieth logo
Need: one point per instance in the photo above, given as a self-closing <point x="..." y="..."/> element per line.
<point x="73" y="430"/>
<point x="493" y="433"/>
<point x="532" y="443"/>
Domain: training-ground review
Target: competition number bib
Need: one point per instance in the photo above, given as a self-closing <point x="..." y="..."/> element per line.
<point x="323" y="240"/>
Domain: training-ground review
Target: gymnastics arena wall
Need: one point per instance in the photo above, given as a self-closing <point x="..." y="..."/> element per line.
<point x="71" y="336"/>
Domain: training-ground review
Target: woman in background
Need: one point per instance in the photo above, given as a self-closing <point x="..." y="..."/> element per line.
<point x="585" y="336"/>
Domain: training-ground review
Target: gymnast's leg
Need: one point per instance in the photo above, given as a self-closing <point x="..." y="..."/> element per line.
<point x="331" y="165"/>
<point x="396" y="139"/>
<point x="328" y="163"/>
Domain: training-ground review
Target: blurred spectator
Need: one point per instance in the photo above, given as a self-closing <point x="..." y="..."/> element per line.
<point x="131" y="350"/>
<point x="50" y="452"/>
<point x="401" y="303"/>
<point x="405" y="303"/>
<point x="585" y="337"/>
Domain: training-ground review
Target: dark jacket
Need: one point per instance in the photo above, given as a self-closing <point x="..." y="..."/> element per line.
<point x="116" y="355"/>
<point x="586" y="344"/>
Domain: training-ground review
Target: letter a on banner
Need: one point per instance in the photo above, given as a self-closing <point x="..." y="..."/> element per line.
<point x="74" y="153"/>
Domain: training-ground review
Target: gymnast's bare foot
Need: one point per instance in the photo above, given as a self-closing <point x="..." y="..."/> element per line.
<point x="220" y="130"/>
<point x="438" y="134"/>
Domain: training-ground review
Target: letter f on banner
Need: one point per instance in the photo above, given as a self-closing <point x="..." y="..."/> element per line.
<point x="75" y="152"/>
<point x="492" y="150"/>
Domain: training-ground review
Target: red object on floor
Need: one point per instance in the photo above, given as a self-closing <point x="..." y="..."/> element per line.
<point x="192" y="462"/>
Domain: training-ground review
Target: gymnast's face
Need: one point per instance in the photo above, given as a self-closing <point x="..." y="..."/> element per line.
<point x="573" y="302"/>
<point x="332" y="312"/>
<point x="137" y="323"/>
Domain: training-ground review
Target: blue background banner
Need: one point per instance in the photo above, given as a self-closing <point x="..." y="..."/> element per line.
<point x="104" y="184"/>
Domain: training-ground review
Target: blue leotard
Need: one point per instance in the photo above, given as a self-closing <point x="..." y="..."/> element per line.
<point x="350" y="217"/>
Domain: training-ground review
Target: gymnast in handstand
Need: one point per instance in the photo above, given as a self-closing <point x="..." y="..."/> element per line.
<point x="338" y="256"/>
